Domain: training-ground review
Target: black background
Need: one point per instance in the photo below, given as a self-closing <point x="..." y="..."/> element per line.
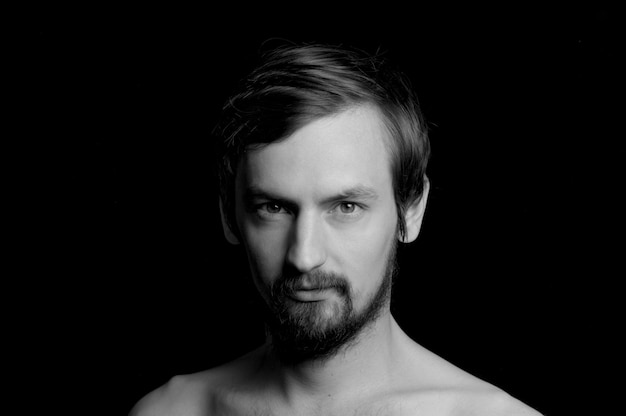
<point x="509" y="279"/>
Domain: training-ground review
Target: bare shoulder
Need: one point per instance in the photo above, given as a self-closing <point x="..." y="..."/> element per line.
<point x="435" y="386"/>
<point x="192" y="394"/>
<point x="182" y="395"/>
<point x="460" y="402"/>
<point x="493" y="402"/>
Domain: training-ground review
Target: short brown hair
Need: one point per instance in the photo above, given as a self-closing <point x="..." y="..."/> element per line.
<point x="296" y="84"/>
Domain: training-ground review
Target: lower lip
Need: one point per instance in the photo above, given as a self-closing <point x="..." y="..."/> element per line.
<point x="315" y="295"/>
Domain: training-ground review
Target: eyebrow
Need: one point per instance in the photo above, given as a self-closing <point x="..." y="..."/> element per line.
<point x="357" y="192"/>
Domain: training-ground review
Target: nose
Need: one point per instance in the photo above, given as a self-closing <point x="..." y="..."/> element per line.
<point x="307" y="249"/>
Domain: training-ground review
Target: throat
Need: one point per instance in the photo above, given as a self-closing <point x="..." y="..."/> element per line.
<point x="363" y="366"/>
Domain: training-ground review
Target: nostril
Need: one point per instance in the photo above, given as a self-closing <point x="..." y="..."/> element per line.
<point x="306" y="250"/>
<point x="303" y="261"/>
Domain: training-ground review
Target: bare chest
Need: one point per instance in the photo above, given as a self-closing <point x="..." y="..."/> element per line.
<point x="363" y="406"/>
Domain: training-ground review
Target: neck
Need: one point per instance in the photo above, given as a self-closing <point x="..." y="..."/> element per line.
<point x="360" y="366"/>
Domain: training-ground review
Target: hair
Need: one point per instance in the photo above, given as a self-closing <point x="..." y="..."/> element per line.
<point x="296" y="84"/>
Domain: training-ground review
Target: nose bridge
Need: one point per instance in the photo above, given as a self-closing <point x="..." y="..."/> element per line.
<point x="307" y="250"/>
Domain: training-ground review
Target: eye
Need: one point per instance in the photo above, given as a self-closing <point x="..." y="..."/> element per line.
<point x="347" y="207"/>
<point x="348" y="211"/>
<point x="271" y="207"/>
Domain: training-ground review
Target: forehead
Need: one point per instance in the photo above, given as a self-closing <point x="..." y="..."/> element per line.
<point x="340" y="151"/>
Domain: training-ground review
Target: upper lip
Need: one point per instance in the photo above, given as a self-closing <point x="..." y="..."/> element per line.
<point x="311" y="288"/>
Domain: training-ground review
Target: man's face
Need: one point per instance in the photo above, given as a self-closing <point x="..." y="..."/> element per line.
<point x="318" y="219"/>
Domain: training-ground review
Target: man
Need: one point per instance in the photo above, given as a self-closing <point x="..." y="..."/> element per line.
<point x="322" y="163"/>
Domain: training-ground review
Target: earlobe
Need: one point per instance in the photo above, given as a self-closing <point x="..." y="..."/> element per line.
<point x="414" y="215"/>
<point x="228" y="233"/>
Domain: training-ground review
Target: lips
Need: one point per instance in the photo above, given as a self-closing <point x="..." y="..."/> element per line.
<point x="309" y="294"/>
<point x="307" y="283"/>
<point x="310" y="288"/>
<point x="313" y="285"/>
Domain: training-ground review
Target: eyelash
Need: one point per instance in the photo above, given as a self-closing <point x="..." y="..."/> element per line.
<point x="355" y="207"/>
<point x="265" y="205"/>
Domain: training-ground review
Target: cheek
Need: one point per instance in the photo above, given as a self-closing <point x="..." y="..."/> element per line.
<point x="365" y="254"/>
<point x="266" y="251"/>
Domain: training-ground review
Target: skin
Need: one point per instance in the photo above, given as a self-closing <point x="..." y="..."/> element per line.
<point x="300" y="218"/>
<point x="343" y="222"/>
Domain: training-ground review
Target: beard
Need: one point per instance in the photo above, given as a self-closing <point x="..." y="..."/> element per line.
<point x="302" y="331"/>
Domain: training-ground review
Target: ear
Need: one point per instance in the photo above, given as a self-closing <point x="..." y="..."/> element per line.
<point x="228" y="233"/>
<point x="414" y="214"/>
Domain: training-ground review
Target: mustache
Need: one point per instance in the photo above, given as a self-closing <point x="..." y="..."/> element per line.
<point x="316" y="280"/>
